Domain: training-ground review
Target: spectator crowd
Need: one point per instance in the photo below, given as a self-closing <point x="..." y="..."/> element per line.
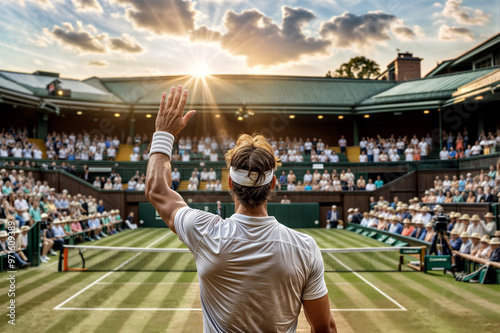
<point x="25" y="201"/>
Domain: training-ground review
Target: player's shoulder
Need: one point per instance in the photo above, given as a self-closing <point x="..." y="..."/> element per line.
<point x="298" y="239"/>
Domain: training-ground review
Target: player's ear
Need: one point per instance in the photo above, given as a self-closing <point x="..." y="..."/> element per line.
<point x="230" y="182"/>
<point x="273" y="183"/>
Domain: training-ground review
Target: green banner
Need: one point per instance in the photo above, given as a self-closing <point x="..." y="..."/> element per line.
<point x="299" y="215"/>
<point x="410" y="251"/>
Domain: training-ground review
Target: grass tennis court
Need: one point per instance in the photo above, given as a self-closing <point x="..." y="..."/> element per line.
<point x="52" y="301"/>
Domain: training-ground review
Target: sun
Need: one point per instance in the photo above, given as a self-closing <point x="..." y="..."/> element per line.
<point x="200" y="70"/>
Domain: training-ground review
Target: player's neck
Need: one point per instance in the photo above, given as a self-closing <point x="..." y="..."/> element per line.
<point x="260" y="211"/>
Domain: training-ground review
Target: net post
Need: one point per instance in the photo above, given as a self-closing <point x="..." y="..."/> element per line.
<point x="400" y="262"/>
<point x="423" y="249"/>
<point x="65" y="259"/>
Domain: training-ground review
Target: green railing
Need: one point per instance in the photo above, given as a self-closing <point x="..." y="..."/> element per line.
<point x="374" y="233"/>
<point x="34" y="244"/>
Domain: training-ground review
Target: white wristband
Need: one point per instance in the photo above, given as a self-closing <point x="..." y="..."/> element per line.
<point x="162" y="143"/>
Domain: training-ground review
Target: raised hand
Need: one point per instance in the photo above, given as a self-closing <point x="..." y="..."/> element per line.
<point x="171" y="116"/>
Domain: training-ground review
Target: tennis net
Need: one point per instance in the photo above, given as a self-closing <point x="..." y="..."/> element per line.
<point x="101" y="258"/>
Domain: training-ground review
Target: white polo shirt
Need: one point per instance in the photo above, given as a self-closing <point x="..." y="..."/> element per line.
<point x="254" y="272"/>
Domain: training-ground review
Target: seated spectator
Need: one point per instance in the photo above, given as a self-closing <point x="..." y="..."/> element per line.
<point x="176" y="178"/>
<point x="395" y="226"/>
<point x="408" y="229"/>
<point x="218" y="185"/>
<point x="290" y="186"/>
<point x="363" y="158"/>
<point x="443" y="155"/>
<point x="4" y="248"/>
<point x="430" y="232"/>
<point x="140" y="185"/>
<point x="475" y="238"/>
<point x="333" y="157"/>
<point x="285" y="200"/>
<point x="212" y="175"/>
<point x="455" y="241"/>
<point x="131" y="184"/>
<point x="117" y="186"/>
<point x="134" y="157"/>
<point x="129" y="222"/>
<point x="484" y="250"/>
<point x="361" y="183"/>
<point x="495" y="249"/>
<point x="370" y="186"/>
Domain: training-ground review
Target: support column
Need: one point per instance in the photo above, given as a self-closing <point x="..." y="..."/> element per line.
<point x="132" y="123"/>
<point x="440" y="131"/>
<point x="480" y="123"/>
<point x="355" y="131"/>
<point x="42" y="121"/>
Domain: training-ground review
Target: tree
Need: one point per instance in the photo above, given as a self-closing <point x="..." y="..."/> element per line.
<point x="359" y="68"/>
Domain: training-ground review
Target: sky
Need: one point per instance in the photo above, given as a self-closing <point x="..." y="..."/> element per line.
<point x="115" y="38"/>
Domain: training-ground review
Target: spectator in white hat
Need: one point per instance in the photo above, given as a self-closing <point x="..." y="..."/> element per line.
<point x="476" y="240"/>
<point x="489" y="226"/>
<point x="495" y="249"/>
<point x="484" y="250"/>
<point x="455" y="241"/>
<point x="408" y="229"/>
<point x="430" y="232"/>
<point x="426" y="216"/>
<point x="475" y="226"/>
<point x="466" y="243"/>
<point x="350" y="212"/>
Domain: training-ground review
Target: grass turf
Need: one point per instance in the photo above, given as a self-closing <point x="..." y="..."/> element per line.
<point x="434" y="302"/>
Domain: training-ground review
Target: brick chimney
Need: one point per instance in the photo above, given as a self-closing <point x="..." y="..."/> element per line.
<point x="406" y="67"/>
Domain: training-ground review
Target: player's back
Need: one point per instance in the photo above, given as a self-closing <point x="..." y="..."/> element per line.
<point x="254" y="272"/>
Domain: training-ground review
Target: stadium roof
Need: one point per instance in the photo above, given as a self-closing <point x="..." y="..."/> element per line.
<point x="488" y="44"/>
<point x="259" y="91"/>
<point x="37" y="85"/>
<point x="429" y="92"/>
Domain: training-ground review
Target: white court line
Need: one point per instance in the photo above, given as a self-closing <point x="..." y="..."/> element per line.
<point x="370" y="284"/>
<point x="107" y="274"/>
<point x="197" y="309"/>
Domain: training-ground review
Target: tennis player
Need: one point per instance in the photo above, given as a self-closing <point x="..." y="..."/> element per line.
<point x="254" y="272"/>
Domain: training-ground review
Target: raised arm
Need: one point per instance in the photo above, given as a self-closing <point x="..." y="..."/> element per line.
<point x="158" y="190"/>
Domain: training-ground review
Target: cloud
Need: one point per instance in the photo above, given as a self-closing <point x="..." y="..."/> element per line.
<point x="362" y="31"/>
<point x="97" y="63"/>
<point x="263" y="42"/>
<point x="419" y="32"/>
<point x="437" y="4"/>
<point x="87" y="5"/>
<point x="125" y="43"/>
<point x="38" y="62"/>
<point x="404" y="33"/>
<point x="204" y="34"/>
<point x="172" y="17"/>
<point x="464" y="15"/>
<point x="83" y="39"/>
<point x="447" y="33"/>
<point x="86" y="39"/>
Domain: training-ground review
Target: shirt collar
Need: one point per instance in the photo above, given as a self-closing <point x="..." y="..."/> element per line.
<point x="253" y="220"/>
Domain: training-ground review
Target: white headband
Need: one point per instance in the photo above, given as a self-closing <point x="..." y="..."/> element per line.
<point x="242" y="178"/>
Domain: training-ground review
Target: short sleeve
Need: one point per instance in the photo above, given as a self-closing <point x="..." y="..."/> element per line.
<point x="315" y="285"/>
<point x="192" y="224"/>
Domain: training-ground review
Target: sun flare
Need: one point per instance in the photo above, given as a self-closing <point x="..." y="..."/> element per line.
<point x="200" y="70"/>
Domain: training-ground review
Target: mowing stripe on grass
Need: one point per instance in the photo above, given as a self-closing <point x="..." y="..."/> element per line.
<point x="58" y="307"/>
<point x="370" y="284"/>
